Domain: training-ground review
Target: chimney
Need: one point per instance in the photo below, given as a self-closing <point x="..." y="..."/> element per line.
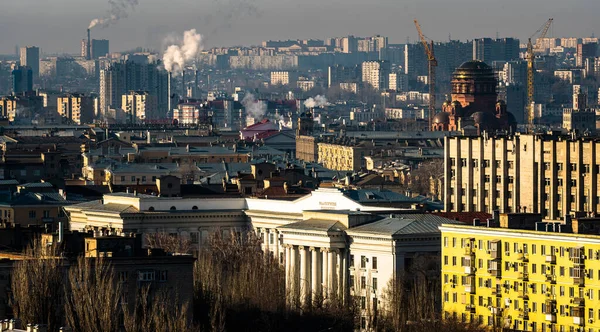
<point x="196" y="90"/>
<point x="183" y="94"/>
<point x="40" y="328"/>
<point x="89" y="46"/>
<point x="169" y="91"/>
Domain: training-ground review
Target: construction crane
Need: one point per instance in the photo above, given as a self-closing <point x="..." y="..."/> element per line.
<point x="432" y="62"/>
<point x="530" y="56"/>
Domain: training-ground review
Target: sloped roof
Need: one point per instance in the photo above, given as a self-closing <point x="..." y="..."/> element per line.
<point x="404" y="224"/>
<point x="315" y="225"/>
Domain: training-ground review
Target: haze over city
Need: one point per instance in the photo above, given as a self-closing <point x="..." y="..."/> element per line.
<point x="56" y="25"/>
<point x="317" y="165"/>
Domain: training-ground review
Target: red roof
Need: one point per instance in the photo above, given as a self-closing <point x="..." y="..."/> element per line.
<point x="258" y="124"/>
<point x="465" y="217"/>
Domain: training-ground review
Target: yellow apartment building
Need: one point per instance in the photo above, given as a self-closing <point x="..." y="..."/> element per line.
<point x="523" y="279"/>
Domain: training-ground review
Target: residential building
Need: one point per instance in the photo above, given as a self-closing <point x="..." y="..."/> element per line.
<point x="30" y="57"/>
<point x="8" y="107"/>
<point x="579" y="118"/>
<point x="502" y="49"/>
<point x="22" y="78"/>
<point x="398" y="82"/>
<point x="121" y="77"/>
<point x="139" y="106"/>
<point x="76" y="107"/>
<point x="343" y="154"/>
<point x="585" y="51"/>
<point x="521" y="274"/>
<point x="551" y="174"/>
<point x="99" y="48"/>
<point x="341" y="74"/>
<point x="376" y="74"/>
<point x="284" y="78"/>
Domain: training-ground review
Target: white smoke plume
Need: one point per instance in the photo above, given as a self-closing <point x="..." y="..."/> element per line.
<point x="318" y="101"/>
<point x="283" y="123"/>
<point x="178" y="55"/>
<point x="254" y="108"/>
<point x="118" y="10"/>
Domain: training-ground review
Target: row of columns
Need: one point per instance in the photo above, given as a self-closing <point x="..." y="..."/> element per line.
<point x="314" y="274"/>
<point x="266" y="236"/>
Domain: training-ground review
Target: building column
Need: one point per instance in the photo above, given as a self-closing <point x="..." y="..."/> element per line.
<point x="267" y="247"/>
<point x="325" y="272"/>
<point x="293" y="276"/>
<point x="340" y="274"/>
<point x="331" y="274"/>
<point x="314" y="278"/>
<point x="276" y="244"/>
<point x="304" y="276"/>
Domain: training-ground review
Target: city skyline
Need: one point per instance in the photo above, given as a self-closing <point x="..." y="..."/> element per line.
<point x="246" y="22"/>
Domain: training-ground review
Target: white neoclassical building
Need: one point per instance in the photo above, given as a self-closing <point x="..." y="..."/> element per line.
<point x="331" y="245"/>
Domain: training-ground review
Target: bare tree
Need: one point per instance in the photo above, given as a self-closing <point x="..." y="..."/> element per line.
<point x="157" y="310"/>
<point x="92" y="299"/>
<point x="169" y="243"/>
<point x="37" y="286"/>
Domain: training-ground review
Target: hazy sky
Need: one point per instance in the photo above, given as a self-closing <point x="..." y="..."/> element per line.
<point x="59" y="25"/>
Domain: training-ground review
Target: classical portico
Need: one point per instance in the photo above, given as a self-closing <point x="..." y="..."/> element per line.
<point x="316" y="256"/>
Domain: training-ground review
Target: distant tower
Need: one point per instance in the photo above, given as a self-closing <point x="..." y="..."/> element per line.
<point x="30" y="56"/>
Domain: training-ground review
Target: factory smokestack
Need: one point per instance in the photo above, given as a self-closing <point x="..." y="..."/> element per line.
<point x="169" y="92"/>
<point x="89" y="46"/>
<point x="183" y="92"/>
<point x="196" y="90"/>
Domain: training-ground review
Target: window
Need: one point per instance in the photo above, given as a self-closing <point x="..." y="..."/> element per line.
<point x="573" y="167"/>
<point x="363" y="262"/>
<point x="453" y="242"/>
<point x="46" y="213"/>
<point x="271" y="238"/>
<point x="146" y="276"/>
<point x="445" y="241"/>
<point x="374" y="263"/>
<point x="123" y="276"/>
<point x="32" y="214"/>
<point x="374" y="285"/>
<point x="133" y="178"/>
<point x="453" y="260"/>
<point x="154" y="179"/>
<point x="363" y="282"/>
<point x="122" y="178"/>
<point x="547" y="181"/>
<point x="352" y="260"/>
<point x="163" y="276"/>
<point x="143" y="178"/>
<point x="351" y="281"/>
<point x="445" y="260"/>
<point x="194" y="237"/>
<point x="559" y="166"/>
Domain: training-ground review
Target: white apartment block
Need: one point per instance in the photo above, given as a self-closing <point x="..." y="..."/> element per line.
<point x="139" y="106"/>
<point x="551" y="174"/>
<point x="376" y="73"/>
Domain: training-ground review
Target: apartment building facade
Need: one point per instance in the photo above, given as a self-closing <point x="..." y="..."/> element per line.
<point x="521" y="280"/>
<point x="550" y="174"/>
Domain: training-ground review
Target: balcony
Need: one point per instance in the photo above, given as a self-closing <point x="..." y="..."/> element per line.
<point x="551" y="259"/>
<point x="550" y="278"/>
<point x="496" y="291"/>
<point x="524" y="296"/>
<point x="551" y="318"/>
<point x="579" y="301"/>
<point x="496" y="310"/>
<point x="496" y="254"/>
<point x="495" y="272"/>
<point x="524" y="276"/>
<point x="470" y="308"/>
<point x="578" y="320"/>
<point x="523" y="257"/>
<point x="524" y="315"/>
<point x="470" y="269"/>
<point x="470" y="285"/>
<point x="579" y="281"/>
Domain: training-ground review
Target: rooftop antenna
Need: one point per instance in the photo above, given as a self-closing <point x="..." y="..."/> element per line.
<point x="497" y="35"/>
<point x="449" y="36"/>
